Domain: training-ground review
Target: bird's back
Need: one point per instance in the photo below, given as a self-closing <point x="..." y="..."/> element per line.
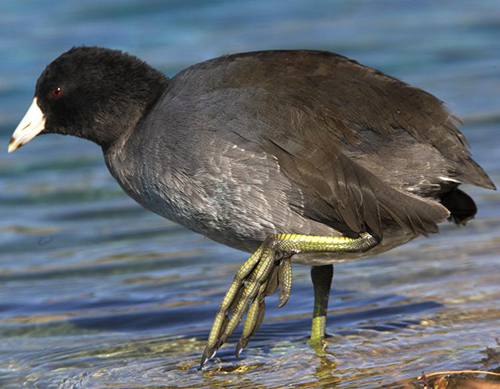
<point x="365" y="111"/>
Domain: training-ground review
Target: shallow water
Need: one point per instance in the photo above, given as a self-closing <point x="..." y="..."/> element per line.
<point x="96" y="292"/>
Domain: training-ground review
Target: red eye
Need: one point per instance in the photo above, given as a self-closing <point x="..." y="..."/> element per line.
<point x="56" y="92"/>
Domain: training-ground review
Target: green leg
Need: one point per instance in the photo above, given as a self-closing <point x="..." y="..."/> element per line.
<point x="322" y="280"/>
<point x="269" y="268"/>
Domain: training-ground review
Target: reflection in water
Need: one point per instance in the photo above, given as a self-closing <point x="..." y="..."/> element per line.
<point x="97" y="292"/>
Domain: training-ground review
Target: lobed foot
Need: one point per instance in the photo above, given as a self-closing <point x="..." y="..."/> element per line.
<point x="267" y="268"/>
<point x="259" y="277"/>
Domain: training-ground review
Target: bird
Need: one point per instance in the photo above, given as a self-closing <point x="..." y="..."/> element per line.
<point x="295" y="156"/>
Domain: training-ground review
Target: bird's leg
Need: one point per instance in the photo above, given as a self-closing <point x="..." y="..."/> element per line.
<point x="268" y="267"/>
<point x="322" y="280"/>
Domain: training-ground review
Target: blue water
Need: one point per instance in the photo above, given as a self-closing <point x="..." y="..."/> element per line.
<point x="96" y="292"/>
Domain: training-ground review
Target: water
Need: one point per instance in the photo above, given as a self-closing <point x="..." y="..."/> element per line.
<point x="96" y="292"/>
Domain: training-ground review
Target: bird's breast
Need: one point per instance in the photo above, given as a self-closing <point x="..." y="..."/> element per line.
<point x="231" y="200"/>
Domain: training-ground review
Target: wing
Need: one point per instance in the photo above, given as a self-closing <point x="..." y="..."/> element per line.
<point x="333" y="189"/>
<point x="328" y="186"/>
<point x="344" y="97"/>
<point x="308" y="109"/>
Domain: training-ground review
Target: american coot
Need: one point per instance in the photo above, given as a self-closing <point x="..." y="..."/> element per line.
<point x="297" y="156"/>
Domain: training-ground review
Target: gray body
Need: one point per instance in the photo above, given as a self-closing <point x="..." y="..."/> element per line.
<point x="215" y="152"/>
<point x="209" y="184"/>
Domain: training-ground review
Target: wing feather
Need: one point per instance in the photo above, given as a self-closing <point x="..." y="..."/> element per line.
<point x="336" y="191"/>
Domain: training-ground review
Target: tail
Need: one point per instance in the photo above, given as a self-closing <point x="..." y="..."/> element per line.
<point x="461" y="206"/>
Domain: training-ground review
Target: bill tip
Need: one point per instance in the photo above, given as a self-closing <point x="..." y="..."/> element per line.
<point x="12" y="145"/>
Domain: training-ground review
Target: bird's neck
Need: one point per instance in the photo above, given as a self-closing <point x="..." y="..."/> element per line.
<point x="153" y="85"/>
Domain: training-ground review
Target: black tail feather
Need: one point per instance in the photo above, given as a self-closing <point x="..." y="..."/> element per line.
<point x="461" y="206"/>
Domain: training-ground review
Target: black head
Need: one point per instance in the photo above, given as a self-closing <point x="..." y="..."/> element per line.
<point x="93" y="93"/>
